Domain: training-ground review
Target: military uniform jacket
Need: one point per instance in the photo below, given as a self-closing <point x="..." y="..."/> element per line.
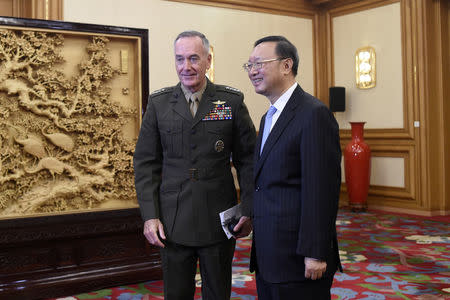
<point x="182" y="164"/>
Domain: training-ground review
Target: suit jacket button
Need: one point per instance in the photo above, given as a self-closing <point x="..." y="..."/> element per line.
<point x="193" y="131"/>
<point x="193" y="146"/>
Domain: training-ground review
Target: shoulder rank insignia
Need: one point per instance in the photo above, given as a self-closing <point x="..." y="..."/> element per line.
<point x="161" y="91"/>
<point x="232" y="89"/>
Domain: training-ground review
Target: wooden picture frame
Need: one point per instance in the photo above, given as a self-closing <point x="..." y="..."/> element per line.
<point x="70" y="106"/>
<point x="71" y="89"/>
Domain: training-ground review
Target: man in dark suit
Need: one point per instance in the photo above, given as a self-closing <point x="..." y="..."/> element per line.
<point x="297" y="178"/>
<point x="183" y="175"/>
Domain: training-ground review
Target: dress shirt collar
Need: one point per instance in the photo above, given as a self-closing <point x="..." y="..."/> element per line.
<point x="188" y="94"/>
<point x="281" y="102"/>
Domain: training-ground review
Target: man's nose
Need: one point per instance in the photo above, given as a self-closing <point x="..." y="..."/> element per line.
<point x="187" y="64"/>
<point x="252" y="71"/>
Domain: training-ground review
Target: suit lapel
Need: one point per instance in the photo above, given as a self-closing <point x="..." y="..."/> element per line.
<point x="286" y="116"/>
<point x="259" y="140"/>
<point x="179" y="103"/>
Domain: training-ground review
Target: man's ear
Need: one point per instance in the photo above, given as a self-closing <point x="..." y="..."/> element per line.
<point x="287" y="65"/>
<point x="209" y="58"/>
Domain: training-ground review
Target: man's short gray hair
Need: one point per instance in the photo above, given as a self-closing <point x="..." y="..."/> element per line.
<point x="193" y="33"/>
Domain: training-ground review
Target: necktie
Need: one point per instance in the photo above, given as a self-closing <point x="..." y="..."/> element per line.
<point x="267" y="124"/>
<point x="193" y="105"/>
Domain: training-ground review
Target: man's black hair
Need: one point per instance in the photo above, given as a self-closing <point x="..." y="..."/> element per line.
<point x="284" y="49"/>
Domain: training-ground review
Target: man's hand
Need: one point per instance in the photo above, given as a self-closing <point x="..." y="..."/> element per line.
<point x="314" y="268"/>
<point x="245" y="225"/>
<point x="151" y="229"/>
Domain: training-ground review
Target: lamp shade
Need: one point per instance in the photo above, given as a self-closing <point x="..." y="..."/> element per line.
<point x="365" y="68"/>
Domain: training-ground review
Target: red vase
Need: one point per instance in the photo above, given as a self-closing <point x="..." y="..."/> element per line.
<point x="357" y="168"/>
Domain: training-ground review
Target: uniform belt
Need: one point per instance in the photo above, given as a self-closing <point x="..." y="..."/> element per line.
<point x="204" y="173"/>
<point x="193" y="174"/>
<point x="196" y="173"/>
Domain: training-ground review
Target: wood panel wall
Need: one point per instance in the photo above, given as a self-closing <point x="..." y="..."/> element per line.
<point x="425" y="47"/>
<point x="433" y="55"/>
<point x="425" y="150"/>
<point x="425" y="43"/>
<point x="298" y="8"/>
<point x="33" y="9"/>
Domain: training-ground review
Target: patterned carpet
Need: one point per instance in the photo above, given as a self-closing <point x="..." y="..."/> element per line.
<point x="385" y="256"/>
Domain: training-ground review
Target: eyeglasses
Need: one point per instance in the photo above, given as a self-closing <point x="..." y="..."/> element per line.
<point x="258" y="65"/>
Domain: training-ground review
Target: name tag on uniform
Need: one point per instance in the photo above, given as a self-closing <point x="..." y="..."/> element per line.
<point x="219" y="112"/>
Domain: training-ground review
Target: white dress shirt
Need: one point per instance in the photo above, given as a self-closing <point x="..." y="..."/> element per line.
<point x="281" y="103"/>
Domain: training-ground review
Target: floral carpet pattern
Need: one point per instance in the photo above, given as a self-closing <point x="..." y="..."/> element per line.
<point x="384" y="255"/>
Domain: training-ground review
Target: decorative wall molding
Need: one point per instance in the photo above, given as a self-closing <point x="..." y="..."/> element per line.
<point x="403" y="142"/>
<point x="430" y="24"/>
<point x="425" y="32"/>
<point x="407" y="132"/>
<point x="406" y="194"/>
<point x="344" y="7"/>
<point x="406" y="152"/>
<point x="424" y="27"/>
<point x="38" y="9"/>
<point x="298" y="8"/>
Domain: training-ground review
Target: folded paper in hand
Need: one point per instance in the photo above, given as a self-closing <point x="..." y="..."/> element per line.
<point x="227" y="216"/>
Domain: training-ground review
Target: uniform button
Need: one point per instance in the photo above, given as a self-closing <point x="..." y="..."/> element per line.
<point x="257" y="189"/>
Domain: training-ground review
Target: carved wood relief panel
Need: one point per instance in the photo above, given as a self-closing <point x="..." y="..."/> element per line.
<point x="70" y="106"/>
<point x="71" y="100"/>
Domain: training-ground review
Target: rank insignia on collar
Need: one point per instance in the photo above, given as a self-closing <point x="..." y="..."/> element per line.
<point x="218" y="102"/>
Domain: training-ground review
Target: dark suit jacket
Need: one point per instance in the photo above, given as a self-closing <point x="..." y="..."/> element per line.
<point x="182" y="164"/>
<point x="297" y="181"/>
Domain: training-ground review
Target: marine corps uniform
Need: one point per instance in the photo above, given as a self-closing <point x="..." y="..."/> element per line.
<point x="182" y="164"/>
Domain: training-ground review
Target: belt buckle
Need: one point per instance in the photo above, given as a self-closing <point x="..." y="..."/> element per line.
<point x="193" y="174"/>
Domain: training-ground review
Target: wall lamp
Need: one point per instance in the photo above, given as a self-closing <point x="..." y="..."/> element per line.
<point x="366" y="76"/>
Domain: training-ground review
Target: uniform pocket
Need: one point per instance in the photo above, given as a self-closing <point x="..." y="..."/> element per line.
<point x="169" y="207"/>
<point x="219" y="134"/>
<point x="171" y="132"/>
<point x="219" y="197"/>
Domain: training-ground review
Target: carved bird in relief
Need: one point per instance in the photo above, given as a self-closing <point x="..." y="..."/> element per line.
<point x="60" y="139"/>
<point x="53" y="165"/>
<point x="31" y="145"/>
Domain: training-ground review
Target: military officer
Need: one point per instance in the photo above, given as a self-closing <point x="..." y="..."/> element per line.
<point x="183" y="176"/>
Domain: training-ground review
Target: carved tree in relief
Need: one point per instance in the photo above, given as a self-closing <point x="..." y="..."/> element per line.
<point x="61" y="140"/>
